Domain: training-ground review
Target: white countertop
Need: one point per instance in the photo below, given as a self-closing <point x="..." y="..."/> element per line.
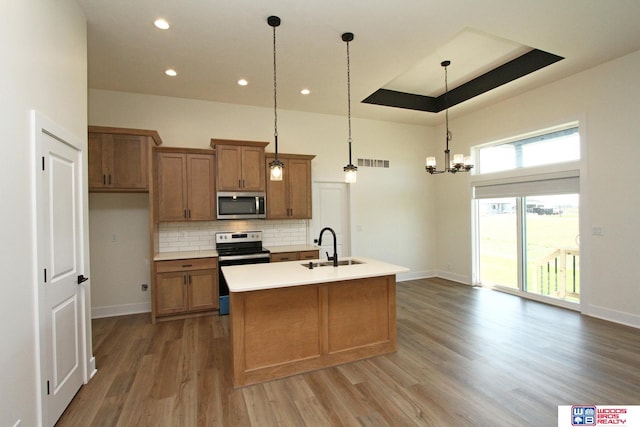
<point x="168" y="256"/>
<point x="254" y="277"/>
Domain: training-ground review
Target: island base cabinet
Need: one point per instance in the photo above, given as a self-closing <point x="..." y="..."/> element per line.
<point x="280" y="332"/>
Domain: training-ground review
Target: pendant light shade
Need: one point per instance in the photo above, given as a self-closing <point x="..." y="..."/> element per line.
<point x="276" y="166"/>
<point x="350" y="171"/>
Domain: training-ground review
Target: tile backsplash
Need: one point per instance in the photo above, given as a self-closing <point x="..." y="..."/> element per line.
<point x="195" y="236"/>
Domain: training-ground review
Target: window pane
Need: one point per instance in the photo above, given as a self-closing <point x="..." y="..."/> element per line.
<point x="549" y="148"/>
<point x="552" y="246"/>
<point x="497" y="233"/>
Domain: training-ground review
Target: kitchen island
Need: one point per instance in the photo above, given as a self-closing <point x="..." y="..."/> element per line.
<point x="286" y="318"/>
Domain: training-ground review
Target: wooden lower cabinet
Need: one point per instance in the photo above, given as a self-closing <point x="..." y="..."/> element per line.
<point x="285" y="331"/>
<point x="184" y="287"/>
<point x="295" y="256"/>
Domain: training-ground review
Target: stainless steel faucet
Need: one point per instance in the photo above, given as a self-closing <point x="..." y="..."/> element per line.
<point x="334" y="258"/>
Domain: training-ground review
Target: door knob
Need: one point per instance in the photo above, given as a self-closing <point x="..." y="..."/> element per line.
<point x="81" y="279"/>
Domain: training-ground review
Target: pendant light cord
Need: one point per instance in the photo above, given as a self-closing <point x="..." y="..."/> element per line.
<point x="349" y="93"/>
<point x="349" y="99"/>
<point x="446" y="104"/>
<point x="275" y="94"/>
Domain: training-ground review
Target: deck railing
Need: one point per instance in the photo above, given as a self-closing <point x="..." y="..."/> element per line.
<point x="557" y="274"/>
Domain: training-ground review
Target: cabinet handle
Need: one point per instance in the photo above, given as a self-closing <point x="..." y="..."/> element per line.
<point x="187" y="265"/>
<point x="184" y="279"/>
<point x="189" y="212"/>
<point x="243" y="183"/>
<point x="104" y="179"/>
<point x="185" y="213"/>
<point x="109" y="179"/>
<point x="239" y="183"/>
<point x="189" y="278"/>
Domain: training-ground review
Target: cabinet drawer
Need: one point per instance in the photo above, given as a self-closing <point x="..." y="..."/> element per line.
<point x="310" y="254"/>
<point x="284" y="256"/>
<point x="186" y="264"/>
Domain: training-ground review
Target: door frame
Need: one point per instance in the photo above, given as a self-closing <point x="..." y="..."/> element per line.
<point x="41" y="125"/>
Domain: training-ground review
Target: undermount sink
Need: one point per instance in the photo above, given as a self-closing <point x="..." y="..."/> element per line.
<point x="341" y="262"/>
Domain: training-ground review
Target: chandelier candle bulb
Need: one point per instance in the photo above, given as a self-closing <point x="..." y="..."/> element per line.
<point x="431" y="162"/>
<point x="468" y="161"/>
<point x="458" y="159"/>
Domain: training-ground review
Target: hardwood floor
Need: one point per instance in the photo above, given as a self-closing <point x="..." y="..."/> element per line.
<point x="466" y="357"/>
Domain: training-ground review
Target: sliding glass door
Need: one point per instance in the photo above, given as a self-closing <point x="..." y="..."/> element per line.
<point x="530" y="244"/>
<point x="552" y="249"/>
<point x="497" y="233"/>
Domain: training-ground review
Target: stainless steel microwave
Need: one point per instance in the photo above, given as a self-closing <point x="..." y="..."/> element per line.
<point x="240" y="205"/>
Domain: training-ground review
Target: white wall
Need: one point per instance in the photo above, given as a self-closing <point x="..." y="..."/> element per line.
<point x="605" y="100"/>
<point x="392" y="209"/>
<point x="119" y="231"/>
<point x="43" y="51"/>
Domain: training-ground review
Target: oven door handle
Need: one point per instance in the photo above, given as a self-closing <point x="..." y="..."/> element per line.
<point x="240" y="257"/>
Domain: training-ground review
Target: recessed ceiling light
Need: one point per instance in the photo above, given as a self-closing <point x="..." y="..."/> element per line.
<point x="171" y="72"/>
<point x="243" y="82"/>
<point x="305" y="91"/>
<point x="161" y="24"/>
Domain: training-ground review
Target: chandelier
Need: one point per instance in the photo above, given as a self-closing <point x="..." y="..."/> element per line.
<point x="460" y="163"/>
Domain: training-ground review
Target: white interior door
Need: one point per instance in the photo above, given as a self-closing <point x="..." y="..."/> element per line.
<point x="60" y="265"/>
<point x="331" y="209"/>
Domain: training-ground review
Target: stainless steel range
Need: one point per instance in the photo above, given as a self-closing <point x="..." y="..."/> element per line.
<point x="238" y="248"/>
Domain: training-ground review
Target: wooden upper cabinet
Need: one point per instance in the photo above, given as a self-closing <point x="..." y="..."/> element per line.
<point x="119" y="159"/>
<point x="239" y="165"/>
<point x="185" y="186"/>
<point x="291" y="197"/>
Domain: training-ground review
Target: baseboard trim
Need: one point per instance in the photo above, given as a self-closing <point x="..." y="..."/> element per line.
<point x="414" y="275"/>
<point x="613" y="316"/>
<point x="120" y="310"/>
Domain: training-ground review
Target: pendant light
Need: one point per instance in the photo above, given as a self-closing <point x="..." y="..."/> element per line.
<point x="350" y="171"/>
<point x="460" y="162"/>
<point x="276" y="166"/>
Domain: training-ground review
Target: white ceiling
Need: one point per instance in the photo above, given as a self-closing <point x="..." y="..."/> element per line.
<point x="398" y="45"/>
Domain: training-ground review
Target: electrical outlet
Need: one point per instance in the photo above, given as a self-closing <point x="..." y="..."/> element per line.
<point x="144" y="287"/>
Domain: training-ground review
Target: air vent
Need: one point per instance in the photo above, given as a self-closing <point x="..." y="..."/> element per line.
<point x="373" y="163"/>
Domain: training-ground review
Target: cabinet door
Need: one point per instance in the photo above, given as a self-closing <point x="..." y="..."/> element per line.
<point x="200" y="187"/>
<point x="128" y="169"/>
<point x="277" y="202"/>
<point x="253" y="169"/>
<point x="228" y="168"/>
<point x="98" y="156"/>
<point x="170" y="293"/>
<point x="299" y="191"/>
<point x="172" y="187"/>
<point x="203" y="290"/>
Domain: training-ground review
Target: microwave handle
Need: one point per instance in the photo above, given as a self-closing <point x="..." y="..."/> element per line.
<point x="257" y="204"/>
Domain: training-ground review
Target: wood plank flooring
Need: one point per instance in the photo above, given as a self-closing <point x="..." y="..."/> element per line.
<point x="466" y="357"/>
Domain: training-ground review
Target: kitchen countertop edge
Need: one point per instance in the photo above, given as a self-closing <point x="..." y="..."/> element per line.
<point x="255" y="277"/>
